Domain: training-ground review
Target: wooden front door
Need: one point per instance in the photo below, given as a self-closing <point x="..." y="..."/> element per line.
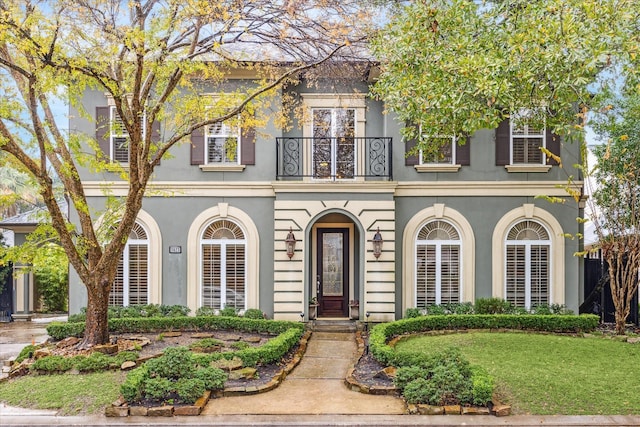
<point x="333" y="272"/>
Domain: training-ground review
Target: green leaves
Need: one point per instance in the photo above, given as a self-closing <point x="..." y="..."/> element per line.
<point x="459" y="66"/>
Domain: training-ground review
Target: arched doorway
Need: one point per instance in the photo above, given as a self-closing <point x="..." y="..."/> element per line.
<point x="335" y="264"/>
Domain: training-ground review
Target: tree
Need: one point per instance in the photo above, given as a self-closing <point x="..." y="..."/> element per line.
<point x="148" y="56"/>
<point x="457" y="66"/>
<point x="616" y="199"/>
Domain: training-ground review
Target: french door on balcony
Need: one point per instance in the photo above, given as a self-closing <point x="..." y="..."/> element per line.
<point x="334" y="147"/>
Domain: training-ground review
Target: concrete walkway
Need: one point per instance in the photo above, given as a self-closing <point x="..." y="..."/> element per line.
<point x="316" y="386"/>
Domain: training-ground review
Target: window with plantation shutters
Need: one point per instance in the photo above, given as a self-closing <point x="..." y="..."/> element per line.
<point x="526" y="140"/>
<point x="223" y="247"/>
<point x="527" y="270"/>
<point x="438" y="264"/>
<point x="222" y="143"/>
<point x="119" y="138"/>
<point x="131" y="285"/>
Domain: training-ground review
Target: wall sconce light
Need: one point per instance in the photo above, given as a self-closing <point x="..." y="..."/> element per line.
<point x="290" y="241"/>
<point x="377" y="244"/>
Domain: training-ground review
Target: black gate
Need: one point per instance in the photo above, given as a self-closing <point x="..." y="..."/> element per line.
<point x="6" y="293"/>
<point x="597" y="293"/>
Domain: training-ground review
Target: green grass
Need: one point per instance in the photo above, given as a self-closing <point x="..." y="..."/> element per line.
<point x="549" y="374"/>
<point x="69" y="394"/>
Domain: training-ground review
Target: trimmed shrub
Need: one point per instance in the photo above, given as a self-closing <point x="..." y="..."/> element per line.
<point x="446" y="380"/>
<point x="189" y="389"/>
<point x="406" y="374"/>
<point x="253" y="313"/>
<point x="213" y="378"/>
<point x="493" y="306"/>
<point x="61" y="330"/>
<point x="140" y="310"/>
<point x="133" y="387"/>
<point x="158" y="388"/>
<point x="410" y="313"/>
<point x="229" y="312"/>
<point x="53" y="363"/>
<point x="26" y="353"/>
<point x="175" y="362"/>
<point x="483" y="386"/>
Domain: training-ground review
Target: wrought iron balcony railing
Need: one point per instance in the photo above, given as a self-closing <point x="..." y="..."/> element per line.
<point x="334" y="159"/>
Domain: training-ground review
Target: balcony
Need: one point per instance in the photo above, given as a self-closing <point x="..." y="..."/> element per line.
<point x="334" y="159"/>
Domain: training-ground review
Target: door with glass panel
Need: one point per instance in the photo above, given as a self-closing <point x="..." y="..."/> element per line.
<point x="333" y="144"/>
<point x="333" y="272"/>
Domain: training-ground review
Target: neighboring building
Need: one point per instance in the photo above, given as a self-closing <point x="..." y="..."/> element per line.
<point x="458" y="225"/>
<point x="21" y="299"/>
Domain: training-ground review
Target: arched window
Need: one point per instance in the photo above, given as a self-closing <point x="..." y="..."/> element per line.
<point x="131" y="285"/>
<point x="527" y="271"/>
<point x="438" y="249"/>
<point x="223" y="268"/>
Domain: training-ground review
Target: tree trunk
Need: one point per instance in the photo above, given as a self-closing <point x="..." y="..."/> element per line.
<point x="96" y="329"/>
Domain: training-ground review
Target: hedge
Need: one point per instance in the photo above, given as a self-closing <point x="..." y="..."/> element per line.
<point x="382" y="333"/>
<point x="61" y="330"/>
<point x="271" y="351"/>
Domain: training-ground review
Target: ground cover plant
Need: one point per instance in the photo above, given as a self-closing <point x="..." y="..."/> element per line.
<point x="548" y="374"/>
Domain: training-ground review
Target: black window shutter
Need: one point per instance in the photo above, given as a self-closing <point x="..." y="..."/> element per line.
<point x="248" y="146"/>
<point x="409" y="145"/>
<point x="197" y="146"/>
<point x="503" y="148"/>
<point x="553" y="145"/>
<point x="103" y="130"/>
<point x="463" y="153"/>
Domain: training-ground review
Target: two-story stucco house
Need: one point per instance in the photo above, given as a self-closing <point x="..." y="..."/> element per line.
<point x="218" y="225"/>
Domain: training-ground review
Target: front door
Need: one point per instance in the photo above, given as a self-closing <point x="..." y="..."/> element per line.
<point x="333" y="272"/>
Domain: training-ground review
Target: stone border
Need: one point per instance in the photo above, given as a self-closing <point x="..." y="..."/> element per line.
<point x="119" y="408"/>
<point x="352" y="384"/>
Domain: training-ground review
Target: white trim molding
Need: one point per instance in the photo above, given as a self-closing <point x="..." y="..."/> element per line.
<point x="155" y="256"/>
<point x="202" y="221"/>
<point x="557" y="259"/>
<point x="435" y="212"/>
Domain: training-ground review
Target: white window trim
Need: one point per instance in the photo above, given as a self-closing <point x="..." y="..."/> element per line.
<point x="252" y="254"/>
<point x="528" y="244"/>
<point x="452" y="166"/>
<point x="126" y="268"/>
<point x="526" y="167"/>
<point x="223" y="165"/>
<point x="334" y="146"/>
<point x="356" y="101"/>
<point x="123" y="134"/>
<point x="223" y="243"/>
<point x="557" y="255"/>
<point x="467" y="251"/>
<point x="154" y="239"/>
<point x="438" y="245"/>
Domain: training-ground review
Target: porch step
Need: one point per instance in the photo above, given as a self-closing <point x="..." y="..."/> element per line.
<point x="334" y="325"/>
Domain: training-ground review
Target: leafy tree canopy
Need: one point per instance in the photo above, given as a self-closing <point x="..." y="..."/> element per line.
<point x="457" y="66"/>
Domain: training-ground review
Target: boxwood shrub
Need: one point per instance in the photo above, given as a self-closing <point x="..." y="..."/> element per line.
<point x="61" y="330"/>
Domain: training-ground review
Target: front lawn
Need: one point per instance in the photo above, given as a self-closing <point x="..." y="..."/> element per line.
<point x="549" y="374"/>
<point x="69" y="394"/>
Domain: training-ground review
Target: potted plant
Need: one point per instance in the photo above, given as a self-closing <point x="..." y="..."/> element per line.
<point x="313" y="308"/>
<point x="354" y="309"/>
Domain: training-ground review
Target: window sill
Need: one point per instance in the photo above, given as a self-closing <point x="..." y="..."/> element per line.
<point x="222" y="168"/>
<point x="437" y="168"/>
<point x="528" y="168"/>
